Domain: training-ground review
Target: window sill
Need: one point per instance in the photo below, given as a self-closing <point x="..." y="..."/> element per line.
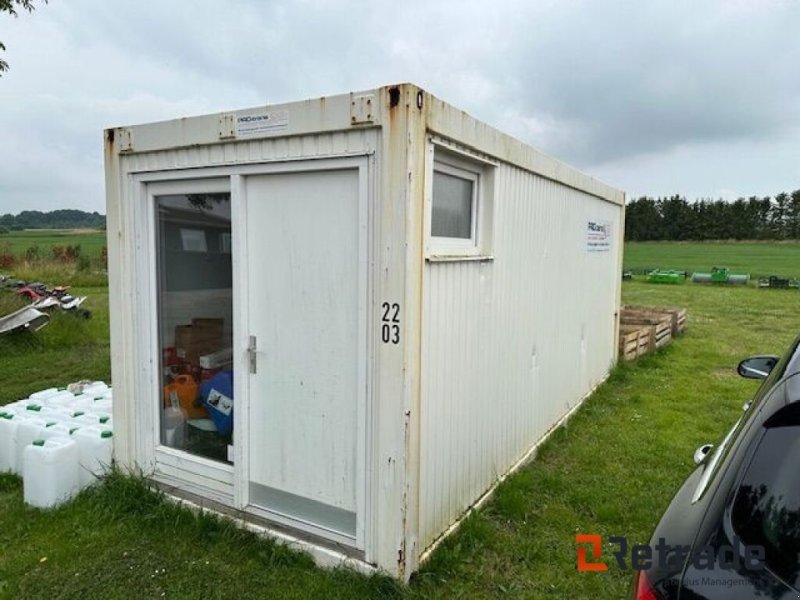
<point x="440" y="258"/>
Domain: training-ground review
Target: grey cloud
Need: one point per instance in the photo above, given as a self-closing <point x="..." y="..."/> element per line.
<point x="647" y="76"/>
<point x="600" y="84"/>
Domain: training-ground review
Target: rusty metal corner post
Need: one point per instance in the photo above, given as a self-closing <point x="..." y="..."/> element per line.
<point x="399" y="279"/>
<point x="117" y="286"/>
<point x="620" y="254"/>
<point x="412" y="102"/>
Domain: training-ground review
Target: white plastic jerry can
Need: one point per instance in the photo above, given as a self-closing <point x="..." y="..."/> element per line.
<point x="50" y="472"/>
<point x="99" y="419"/>
<point x="82" y="402"/>
<point x="101" y="404"/>
<point x="95" y="450"/>
<point x="28" y="430"/>
<point x="95" y="389"/>
<point x="64" y="429"/>
<point x="8" y="441"/>
<point x="12" y="407"/>
<point x="43" y="394"/>
<point x="62" y="398"/>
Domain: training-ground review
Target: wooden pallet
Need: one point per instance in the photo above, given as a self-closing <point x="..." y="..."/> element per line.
<point x="678" y="316"/>
<point x="634" y="341"/>
<point x="644" y="329"/>
<point x="660" y="326"/>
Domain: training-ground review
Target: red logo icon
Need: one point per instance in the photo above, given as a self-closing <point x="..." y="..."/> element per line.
<point x="596" y="542"/>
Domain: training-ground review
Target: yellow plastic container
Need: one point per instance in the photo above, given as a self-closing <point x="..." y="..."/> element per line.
<point x="182" y="392"/>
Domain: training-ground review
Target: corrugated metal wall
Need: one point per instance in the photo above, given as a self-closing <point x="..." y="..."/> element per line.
<point x="510" y="345"/>
<point x="242" y="152"/>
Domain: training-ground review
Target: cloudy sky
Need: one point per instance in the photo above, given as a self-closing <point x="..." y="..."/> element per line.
<point x="656" y="97"/>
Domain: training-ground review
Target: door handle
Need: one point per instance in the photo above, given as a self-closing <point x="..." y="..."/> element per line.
<point x="251" y="351"/>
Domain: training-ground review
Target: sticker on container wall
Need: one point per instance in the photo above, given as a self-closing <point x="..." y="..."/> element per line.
<point x="264" y="123"/>
<point x="598" y="236"/>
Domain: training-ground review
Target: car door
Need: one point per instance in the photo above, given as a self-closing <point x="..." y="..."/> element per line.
<point x="762" y="517"/>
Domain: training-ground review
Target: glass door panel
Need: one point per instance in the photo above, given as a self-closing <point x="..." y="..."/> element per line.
<point x="195" y="324"/>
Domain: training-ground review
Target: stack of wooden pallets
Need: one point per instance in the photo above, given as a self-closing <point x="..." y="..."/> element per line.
<point x="644" y="329"/>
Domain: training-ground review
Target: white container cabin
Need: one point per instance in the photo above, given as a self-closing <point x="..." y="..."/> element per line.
<point x="413" y="300"/>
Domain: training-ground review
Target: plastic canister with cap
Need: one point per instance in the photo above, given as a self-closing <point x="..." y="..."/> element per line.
<point x="95" y="389"/>
<point x="55" y="413"/>
<point x="28" y="430"/>
<point x="182" y="391"/>
<point x="90" y="417"/>
<point x="173" y="422"/>
<point x="33" y="406"/>
<point x="101" y="404"/>
<point x="59" y="399"/>
<point x="63" y="429"/>
<point x="95" y="449"/>
<point x="12" y="407"/>
<point x="50" y="471"/>
<point x="8" y="441"/>
<point x="82" y="402"/>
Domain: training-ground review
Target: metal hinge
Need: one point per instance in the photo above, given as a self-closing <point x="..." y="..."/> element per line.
<point x="227" y="126"/>
<point x="125" y="140"/>
<point x="362" y="109"/>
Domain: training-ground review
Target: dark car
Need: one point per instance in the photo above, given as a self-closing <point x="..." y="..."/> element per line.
<point x="733" y="529"/>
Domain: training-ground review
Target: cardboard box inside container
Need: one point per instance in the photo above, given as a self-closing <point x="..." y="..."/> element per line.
<point x="203" y="336"/>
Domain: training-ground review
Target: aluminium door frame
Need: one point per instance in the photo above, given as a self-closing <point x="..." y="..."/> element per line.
<point x="223" y="483"/>
<point x="173" y="467"/>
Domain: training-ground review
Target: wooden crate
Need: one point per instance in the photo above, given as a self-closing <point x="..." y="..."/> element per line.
<point x="678" y="316"/>
<point x="660" y="326"/>
<point x="634" y="341"/>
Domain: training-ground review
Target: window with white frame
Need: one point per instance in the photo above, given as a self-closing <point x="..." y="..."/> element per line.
<point x="459" y="205"/>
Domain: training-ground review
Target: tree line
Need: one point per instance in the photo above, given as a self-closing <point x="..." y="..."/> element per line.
<point x="753" y="218"/>
<point x="54" y="219"/>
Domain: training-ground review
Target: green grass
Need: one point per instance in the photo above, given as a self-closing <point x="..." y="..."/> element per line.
<point x="755" y="258"/>
<point x="91" y="241"/>
<point x="68" y="348"/>
<point x="57" y="273"/>
<point x="612" y="470"/>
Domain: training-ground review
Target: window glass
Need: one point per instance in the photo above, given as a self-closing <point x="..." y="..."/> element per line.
<point x="766" y="509"/>
<point x="195" y="306"/>
<point x="194" y="240"/>
<point x="225" y="243"/>
<point x="451" y="213"/>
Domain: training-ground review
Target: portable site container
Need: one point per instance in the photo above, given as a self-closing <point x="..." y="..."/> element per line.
<point x="407" y="300"/>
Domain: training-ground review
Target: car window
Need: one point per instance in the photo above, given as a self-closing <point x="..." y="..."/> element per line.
<point x="766" y="508"/>
<point x="713" y="464"/>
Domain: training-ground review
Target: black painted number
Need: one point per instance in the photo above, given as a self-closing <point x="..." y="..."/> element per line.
<point x="390" y="329"/>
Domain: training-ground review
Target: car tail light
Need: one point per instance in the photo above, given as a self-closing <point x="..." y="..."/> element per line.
<point x="645" y="591"/>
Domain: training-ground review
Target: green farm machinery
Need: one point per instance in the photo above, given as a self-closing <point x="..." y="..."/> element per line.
<point x="659" y="276"/>
<point x="720" y="275"/>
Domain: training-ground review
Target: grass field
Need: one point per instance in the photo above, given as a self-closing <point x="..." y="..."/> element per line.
<point x="91" y="241"/>
<point x="612" y="470"/>
<point x="755" y="258"/>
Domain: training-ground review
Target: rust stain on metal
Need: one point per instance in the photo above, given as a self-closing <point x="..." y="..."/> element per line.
<point x="401" y="553"/>
<point x="394" y="97"/>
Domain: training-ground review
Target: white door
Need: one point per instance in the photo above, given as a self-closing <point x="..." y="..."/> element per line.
<point x="306" y="313"/>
